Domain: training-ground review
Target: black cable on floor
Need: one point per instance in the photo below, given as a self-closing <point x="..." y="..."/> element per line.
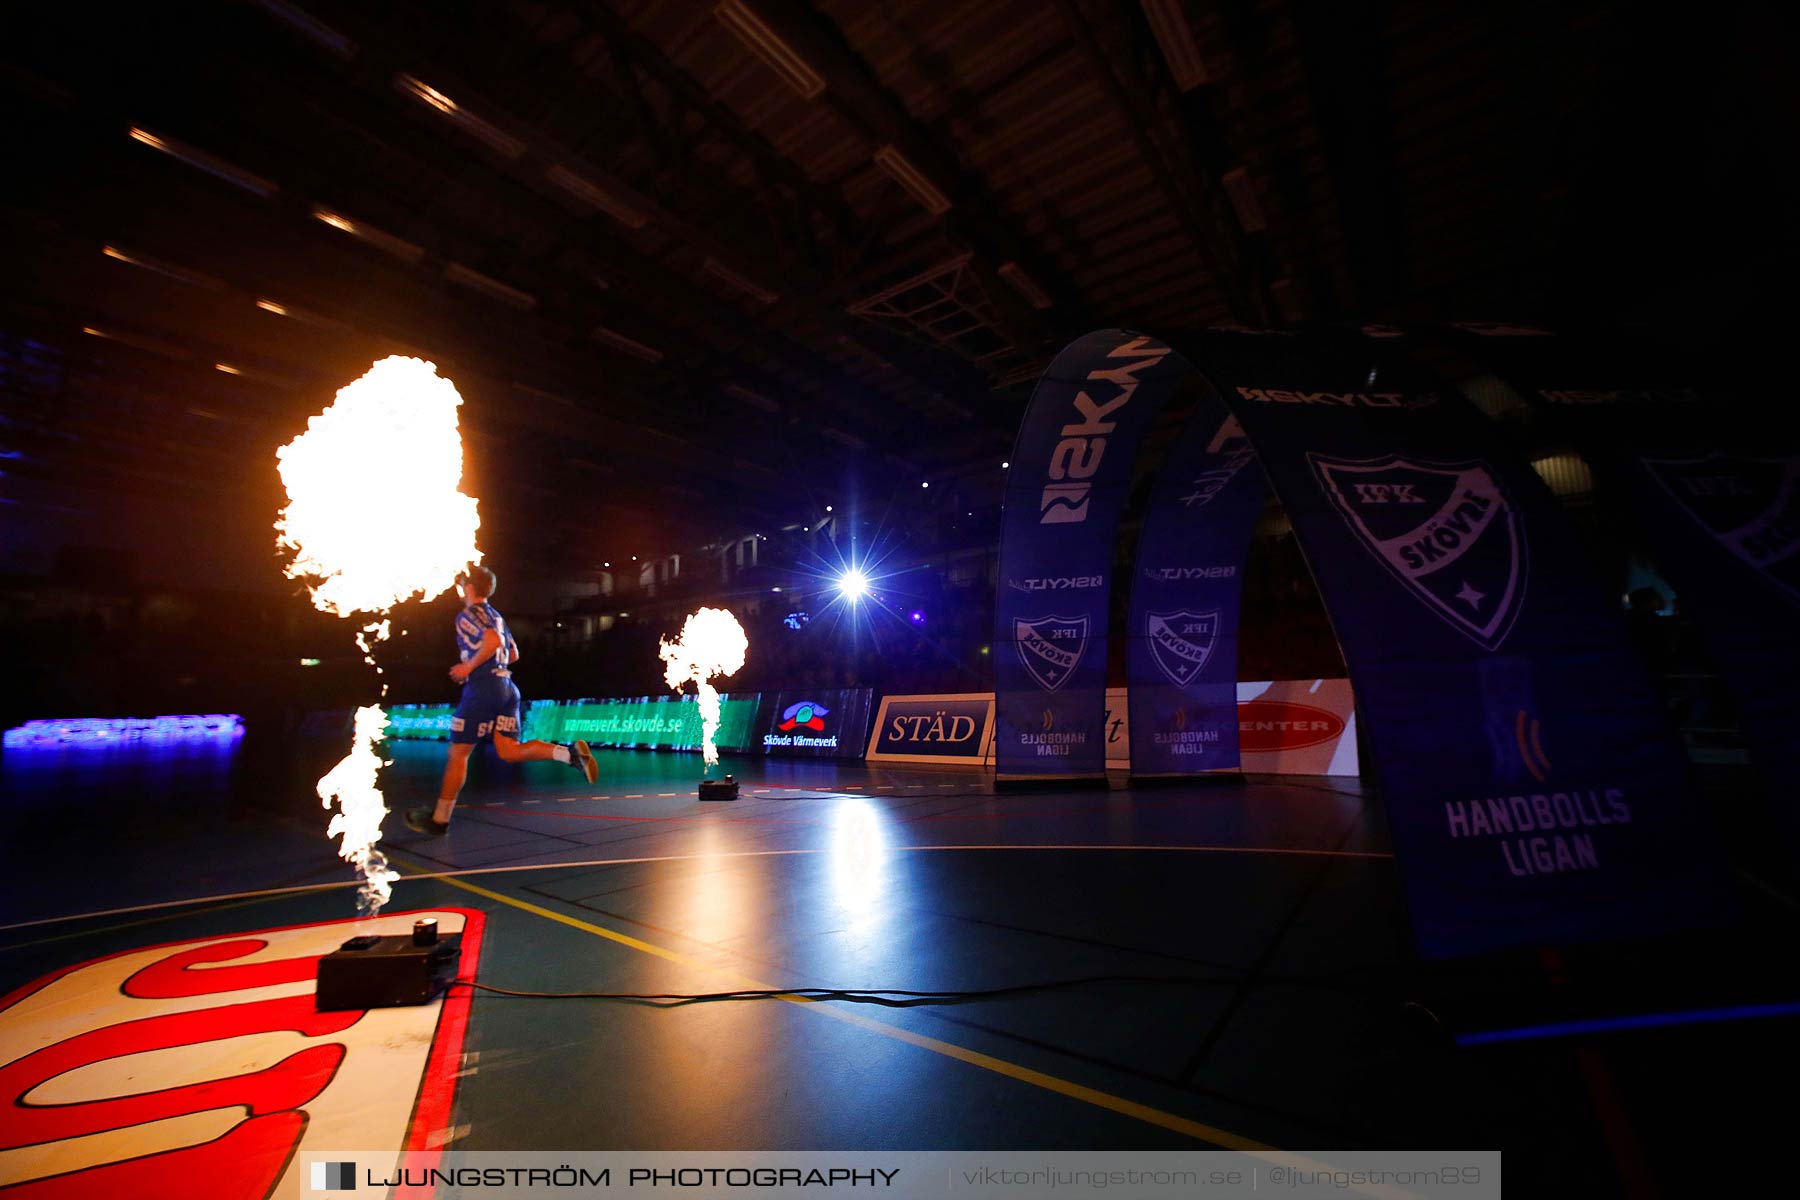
<point x="898" y="997"/>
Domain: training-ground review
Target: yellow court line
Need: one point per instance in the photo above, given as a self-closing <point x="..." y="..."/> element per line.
<point x="422" y="873"/>
<point x="1219" y="1137"/>
<point x="1075" y="1091"/>
<point x="83" y="933"/>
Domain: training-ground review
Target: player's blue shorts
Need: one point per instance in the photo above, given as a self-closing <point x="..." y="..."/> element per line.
<point x="490" y="705"/>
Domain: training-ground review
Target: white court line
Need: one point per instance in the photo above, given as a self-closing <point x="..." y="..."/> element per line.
<point x="658" y="858"/>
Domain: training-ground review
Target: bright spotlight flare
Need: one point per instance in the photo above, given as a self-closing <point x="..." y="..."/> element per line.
<point x="712" y="643"/>
<point x="388" y="443"/>
<point x="853" y="584"/>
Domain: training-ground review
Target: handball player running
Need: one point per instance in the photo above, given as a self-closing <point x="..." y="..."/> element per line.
<point x="489" y="708"/>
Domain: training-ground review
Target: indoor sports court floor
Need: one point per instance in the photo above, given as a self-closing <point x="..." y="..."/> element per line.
<point x="1228" y="963"/>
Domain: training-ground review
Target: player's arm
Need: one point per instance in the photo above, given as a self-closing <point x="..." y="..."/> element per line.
<point x="512" y="648"/>
<point x="490" y="645"/>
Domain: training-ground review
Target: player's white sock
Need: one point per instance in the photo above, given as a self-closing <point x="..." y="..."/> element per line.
<point x="561" y="753"/>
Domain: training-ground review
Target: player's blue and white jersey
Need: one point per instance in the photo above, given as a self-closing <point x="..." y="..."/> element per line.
<point x="471" y="624"/>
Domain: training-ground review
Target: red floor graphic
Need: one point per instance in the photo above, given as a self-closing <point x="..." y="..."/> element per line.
<point x="202" y="1069"/>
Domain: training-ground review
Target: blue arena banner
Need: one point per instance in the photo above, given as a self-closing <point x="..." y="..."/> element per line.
<point x="1535" y="788"/>
<point x="1182" y="623"/>
<point x="833" y="723"/>
<point x="1066" y="488"/>
<point x="1712" y="490"/>
<point x="949" y="729"/>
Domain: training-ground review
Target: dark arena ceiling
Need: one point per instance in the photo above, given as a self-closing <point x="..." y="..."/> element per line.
<point x="694" y="265"/>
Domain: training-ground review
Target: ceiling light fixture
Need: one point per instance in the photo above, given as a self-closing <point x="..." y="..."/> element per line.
<point x="844" y="439"/>
<point x="763" y="42"/>
<point x="901" y="170"/>
<point x="420" y="90"/>
<point x="252" y="375"/>
<point x="479" y="128"/>
<point x="540" y="393"/>
<point x="487" y="285"/>
<point x="1024" y="284"/>
<point x="166" y="349"/>
<point x="753" y="399"/>
<point x="719" y="270"/>
<point x="302" y="315"/>
<point x="1241" y="190"/>
<point x="170" y="270"/>
<point x="625" y="345"/>
<point x="594" y="196"/>
<point x="1169" y="23"/>
<point x="310" y="27"/>
<point x="200" y="160"/>
<point x="385" y="242"/>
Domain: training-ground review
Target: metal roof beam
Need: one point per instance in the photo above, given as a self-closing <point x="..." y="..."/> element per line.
<point x="856" y="93"/>
<point x="1218" y="248"/>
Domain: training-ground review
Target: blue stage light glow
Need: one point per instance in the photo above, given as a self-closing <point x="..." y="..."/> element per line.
<point x="124" y="731"/>
<point x="1703" y="1016"/>
<point x="917" y="616"/>
<point x="853" y="584"/>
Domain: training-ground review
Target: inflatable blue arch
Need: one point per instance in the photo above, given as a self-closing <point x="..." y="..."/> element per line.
<point x="1534" y="786"/>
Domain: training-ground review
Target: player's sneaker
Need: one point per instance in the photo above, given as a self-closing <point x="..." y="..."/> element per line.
<point x="582" y="759"/>
<point x="424" y="820"/>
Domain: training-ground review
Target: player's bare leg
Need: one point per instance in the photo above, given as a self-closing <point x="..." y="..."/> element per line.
<point x="513" y="750"/>
<point x="576" y="754"/>
<point x="456" y="770"/>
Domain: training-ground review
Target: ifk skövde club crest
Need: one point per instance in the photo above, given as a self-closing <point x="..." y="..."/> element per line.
<point x="1050" y="647"/>
<point x="1750" y="506"/>
<point x="1447" y="531"/>
<point x="1181" y="642"/>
